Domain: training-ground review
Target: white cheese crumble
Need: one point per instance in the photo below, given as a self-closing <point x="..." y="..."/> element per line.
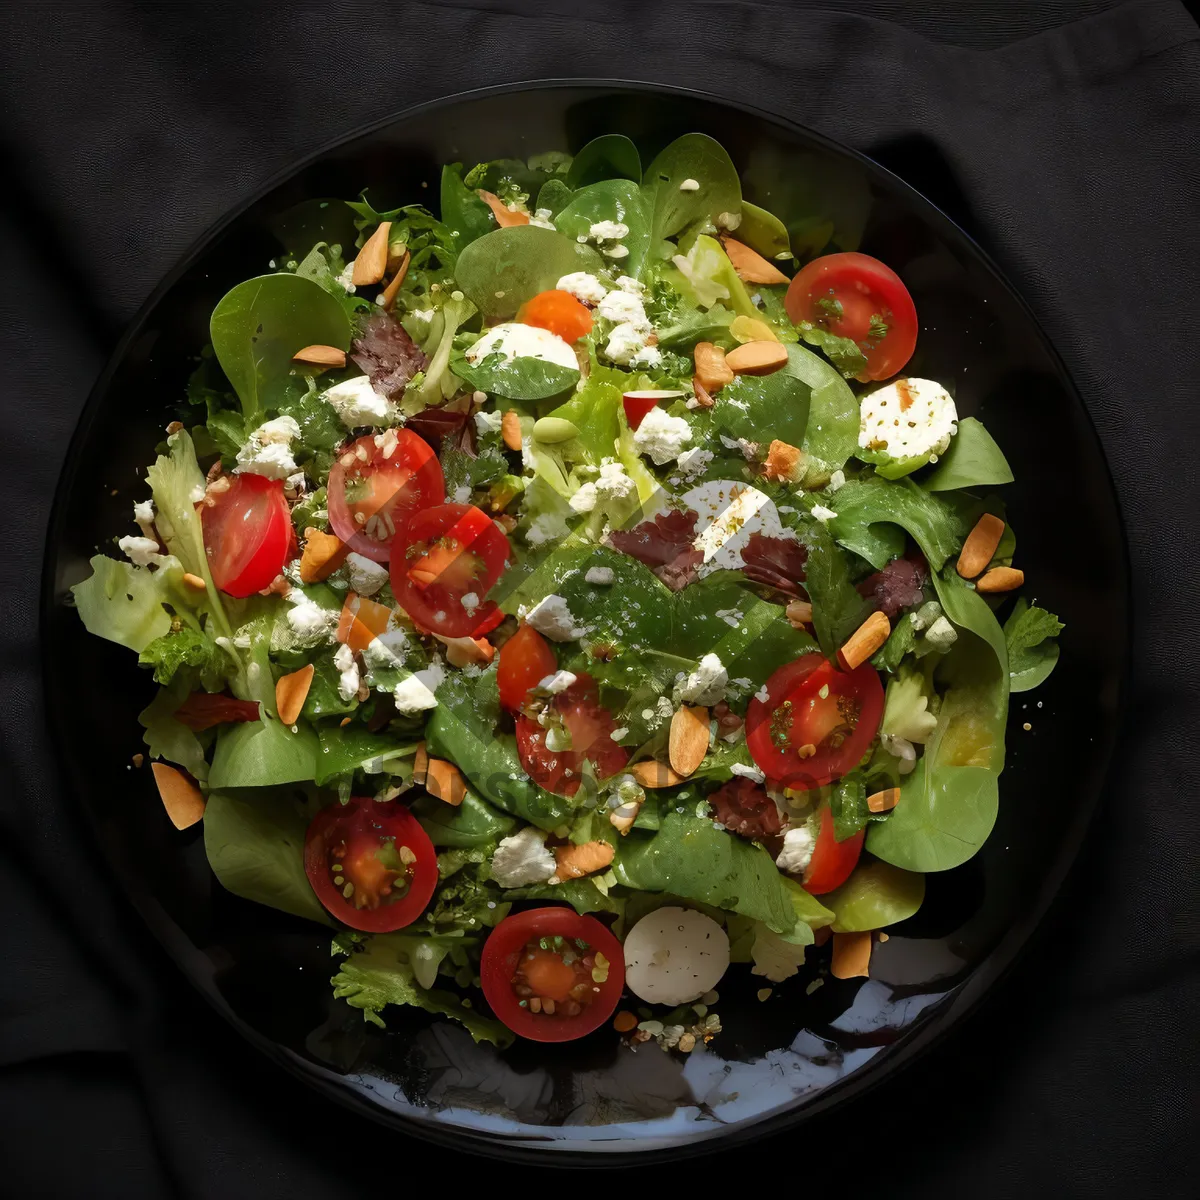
<point x="797" y="851"/>
<point x="267" y="451"/>
<point x="357" y="403"/>
<point x="601" y="576"/>
<point x="613" y="483"/>
<point x="348" y="678"/>
<point x="558" y="682"/>
<point x="470" y="601"/>
<point x="941" y="634"/>
<point x="694" y="462"/>
<point x="690" y="185"/>
<point x="546" y="528"/>
<point x="584" y="500"/>
<point x="707" y="683"/>
<point x="542" y="218"/>
<point x="417" y="692"/>
<point x="729" y="512"/>
<point x="386" y="650"/>
<point x="488" y="422"/>
<point x="551" y="617"/>
<point x="627" y="347"/>
<point x="823" y="514"/>
<point x="628" y="284"/>
<point x="837" y="480"/>
<point x="620" y="306"/>
<point x="661" y="437"/>
<point x="141" y="551"/>
<point x="310" y="622"/>
<point x="143" y="514"/>
<point x="366" y="575"/>
<point x="514" y="340"/>
<point x="908" y="418"/>
<point x="747" y="772"/>
<point x="583" y="286"/>
<point x="608" y="231"/>
<point x="521" y="859"/>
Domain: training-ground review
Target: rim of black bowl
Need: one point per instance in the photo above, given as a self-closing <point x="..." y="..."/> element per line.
<point x="957" y="1004"/>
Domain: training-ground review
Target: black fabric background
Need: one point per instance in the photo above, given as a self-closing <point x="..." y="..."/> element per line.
<point x="1064" y="136"/>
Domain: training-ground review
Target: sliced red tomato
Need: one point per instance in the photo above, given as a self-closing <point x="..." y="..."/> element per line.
<point x="201" y="711"/>
<point x="525" y="660"/>
<point x="442" y="556"/>
<point x="577" y="711"/>
<point x="858" y="297"/>
<point x="832" y="861"/>
<point x="376" y="484"/>
<point x="638" y="404"/>
<point x="552" y="975"/>
<point x="371" y="865"/>
<point x="559" y="312"/>
<point x="247" y="534"/>
<point x="816" y="722"/>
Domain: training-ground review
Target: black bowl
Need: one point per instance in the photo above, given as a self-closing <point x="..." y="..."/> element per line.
<point x="777" y="1061"/>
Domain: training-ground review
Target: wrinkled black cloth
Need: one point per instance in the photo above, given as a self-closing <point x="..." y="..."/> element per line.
<point x="1064" y="136"/>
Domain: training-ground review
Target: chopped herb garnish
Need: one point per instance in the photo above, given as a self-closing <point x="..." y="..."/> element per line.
<point x="878" y="329"/>
<point x="831" y="307"/>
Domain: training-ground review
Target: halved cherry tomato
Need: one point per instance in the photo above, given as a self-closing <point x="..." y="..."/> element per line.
<point x="375" y="486"/>
<point x="201" y="711"/>
<point x="638" y="404"/>
<point x="576" y="710"/>
<point x="832" y="861"/>
<point x="247" y="534"/>
<point x="858" y="297"/>
<point x="557" y="955"/>
<point x="816" y="723"/>
<point x="371" y="864"/>
<point x="559" y="312"/>
<point x="525" y="660"/>
<point x="442" y="555"/>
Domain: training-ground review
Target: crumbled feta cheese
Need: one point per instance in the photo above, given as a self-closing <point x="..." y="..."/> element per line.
<point x="628" y="284"/>
<point x="601" y="576"/>
<point x="730" y="221"/>
<point x="729" y="513"/>
<point x="762" y="695"/>
<point x="558" y="682"/>
<point x="623" y="306"/>
<point x="551" y="617"/>
<point x="357" y="403"/>
<point x="311" y="623"/>
<point x="143" y="512"/>
<point x="694" y="461"/>
<point x="627" y="344"/>
<point x="661" y="437"/>
<point x="528" y="461"/>
<point x="747" y="449"/>
<point x="837" y="480"/>
<point x="267" y="451"/>
<point x="280" y="429"/>
<point x="706" y="684"/>
<point x="346" y="278"/>
<point x="584" y="500"/>
<point x="690" y="185"/>
<point x="907" y="419"/>
<point x="823" y="514"/>
<point x="416" y="693"/>
<point x="542" y="218"/>
<point x="583" y="286"/>
<point x="546" y="528"/>
<point x="522" y="860"/>
<point x="470" y="601"/>
<point x="386" y="650"/>
<point x="900" y="748"/>
<point x="424" y="315"/>
<point x="462" y="494"/>
<point x="747" y="772"/>
<point x="616" y="250"/>
<point x="348" y="678"/>
<point x="617" y="735"/>
<point x="366" y="576"/>
<point x="797" y="851"/>
<point x="141" y="551"/>
<point x="608" y="231"/>
<point x="613" y="483"/>
<point x="941" y="635"/>
<point x="514" y="340"/>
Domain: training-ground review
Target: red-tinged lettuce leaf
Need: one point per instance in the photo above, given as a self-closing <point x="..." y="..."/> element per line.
<point x="387" y="354"/>
<point x="898" y="586"/>
<point x="777" y="562"/>
<point x="664" y="544"/>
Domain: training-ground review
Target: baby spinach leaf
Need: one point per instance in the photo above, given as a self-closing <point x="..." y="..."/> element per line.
<point x="504" y="268"/>
<point x="831" y="431"/>
<point x="258" y="325"/>
<point x="342" y="751"/>
<point x="968" y="610"/>
<point x="463" y="729"/>
<point x="751" y="404"/>
<point x="848" y="804"/>
<point x="508" y="178"/>
<point x="520" y="378"/>
<point x="581" y="894"/>
<point x="862" y="503"/>
<point x="263" y="753"/>
<point x="467" y="216"/>
<point x="474" y="822"/>
<point x="324" y="699"/>
<point x="610" y="200"/>
<point x="838" y="609"/>
<point x="841" y="351"/>
<point x="973" y="460"/>
<point x="876" y="895"/>
<point x="553" y="197"/>
<point x="310" y="222"/>
<point x="611" y="156"/>
<point x="1029" y="634"/>
<point x="901" y="641"/>
<point x="255" y="846"/>
<point x="763" y="231"/>
<point x="691" y="859"/>
<point x="695" y="156"/>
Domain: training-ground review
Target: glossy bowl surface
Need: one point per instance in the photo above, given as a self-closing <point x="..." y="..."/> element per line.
<point x="775" y="1062"/>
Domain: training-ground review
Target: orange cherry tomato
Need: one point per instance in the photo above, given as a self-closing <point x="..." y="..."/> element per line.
<point x="559" y="312"/>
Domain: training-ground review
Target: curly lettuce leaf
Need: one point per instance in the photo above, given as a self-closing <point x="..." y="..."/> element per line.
<point x="124" y="603"/>
<point x="1030" y="634"/>
<point x="170" y="739"/>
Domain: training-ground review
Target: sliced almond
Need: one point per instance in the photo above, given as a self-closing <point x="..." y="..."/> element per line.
<point x="574" y="862"/>
<point x="750" y="265"/>
<point x="785" y="462"/>
<point x="703" y="396"/>
<point x="180" y="796"/>
<point x="651" y="773"/>
<point x="884" y="801"/>
<point x="711" y="368"/>
<point x="510" y="429"/>
<point x="688" y="741"/>
<point x="465" y="651"/>
<point x="323" y="553"/>
<point x="757" y="358"/>
<point x="864" y="641"/>
<point x="799" y="613"/>
<point x="1000" y="579"/>
<point x="851" y="955"/>
<point x="980" y="545"/>
<point x="420" y="764"/>
<point x="445" y="781"/>
<point x="505" y="217"/>
<point x="390" y="292"/>
<point x="371" y="263"/>
<point x="194" y="582"/>
<point x="321" y="356"/>
<point x="290" y="693"/>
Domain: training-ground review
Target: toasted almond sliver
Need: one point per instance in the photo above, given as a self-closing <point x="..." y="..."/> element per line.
<point x="321" y="356"/>
<point x="371" y="262"/>
<point x="884" y="801"/>
<point x="193" y="581"/>
<point x="510" y="429"/>
<point x="851" y="955"/>
<point x="445" y="781"/>
<point x="1000" y="579"/>
<point x="757" y="358"/>
<point x="467" y="651"/>
<point x="703" y="396"/>
<point x="980" y="545"/>
<point x="290" y="693"/>
<point x="576" y="861"/>
<point x="688" y="741"/>
<point x="799" y="613"/>
<point x="750" y="265"/>
<point x="322" y="555"/>
<point x="420" y="764"/>
<point x="711" y="368"/>
<point x="505" y="217"/>
<point x="865" y="640"/>
<point x="390" y="292"/>
<point x="654" y="774"/>
<point x="180" y="796"/>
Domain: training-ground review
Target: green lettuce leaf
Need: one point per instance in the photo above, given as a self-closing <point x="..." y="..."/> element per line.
<point x="1030" y="634"/>
<point x="190" y="654"/>
<point x="124" y="603"/>
<point x="168" y="738"/>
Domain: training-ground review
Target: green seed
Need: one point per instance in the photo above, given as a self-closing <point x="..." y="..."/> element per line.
<point x="554" y="429"/>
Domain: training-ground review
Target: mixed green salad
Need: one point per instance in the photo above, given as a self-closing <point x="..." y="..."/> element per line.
<point x="568" y="596"/>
